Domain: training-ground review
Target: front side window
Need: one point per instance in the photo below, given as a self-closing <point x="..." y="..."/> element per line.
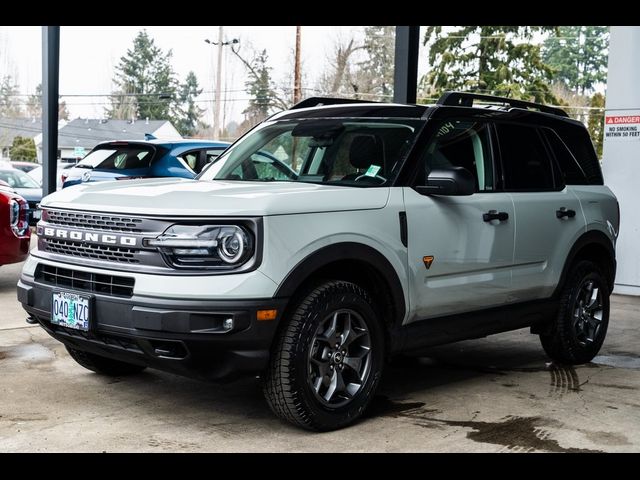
<point x="461" y="143"/>
<point x="354" y="152"/>
<point x="525" y="160"/>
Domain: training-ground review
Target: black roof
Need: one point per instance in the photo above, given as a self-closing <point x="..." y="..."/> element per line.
<point x="352" y="109"/>
<point x="450" y="102"/>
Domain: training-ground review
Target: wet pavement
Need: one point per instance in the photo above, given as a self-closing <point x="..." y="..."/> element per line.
<point x="499" y="393"/>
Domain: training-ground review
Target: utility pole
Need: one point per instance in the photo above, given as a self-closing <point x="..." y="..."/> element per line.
<point x="216" y="110"/>
<point x="218" y="86"/>
<point x="297" y="86"/>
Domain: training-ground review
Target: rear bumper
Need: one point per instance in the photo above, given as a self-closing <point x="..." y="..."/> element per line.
<point x="185" y="337"/>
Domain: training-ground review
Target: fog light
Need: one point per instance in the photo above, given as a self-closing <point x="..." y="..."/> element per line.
<point x="227" y="324"/>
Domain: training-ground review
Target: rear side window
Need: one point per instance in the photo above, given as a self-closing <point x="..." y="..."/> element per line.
<point x="193" y="160"/>
<point x="569" y="166"/>
<point x="525" y="159"/>
<point x="212" y="155"/>
<point x="121" y="158"/>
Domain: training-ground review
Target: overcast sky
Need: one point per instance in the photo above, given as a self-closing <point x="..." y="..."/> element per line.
<point x="88" y="56"/>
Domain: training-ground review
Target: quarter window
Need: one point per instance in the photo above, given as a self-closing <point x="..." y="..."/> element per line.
<point x="571" y="170"/>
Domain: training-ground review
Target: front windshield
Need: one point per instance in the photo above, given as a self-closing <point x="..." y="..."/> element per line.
<point x="18" y="179"/>
<point x="355" y="152"/>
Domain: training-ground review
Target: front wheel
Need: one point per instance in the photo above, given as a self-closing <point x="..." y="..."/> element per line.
<point x="328" y="360"/>
<point x="581" y="324"/>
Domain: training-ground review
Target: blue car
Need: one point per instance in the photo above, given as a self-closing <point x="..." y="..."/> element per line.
<point x="122" y="160"/>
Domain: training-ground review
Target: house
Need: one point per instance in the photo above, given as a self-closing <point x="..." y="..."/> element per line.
<point x="16" y="127"/>
<point x="77" y="137"/>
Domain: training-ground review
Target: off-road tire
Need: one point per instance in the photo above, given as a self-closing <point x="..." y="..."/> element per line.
<point x="287" y="385"/>
<point x="561" y="342"/>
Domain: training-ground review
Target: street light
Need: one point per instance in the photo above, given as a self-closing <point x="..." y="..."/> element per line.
<point x="216" y="109"/>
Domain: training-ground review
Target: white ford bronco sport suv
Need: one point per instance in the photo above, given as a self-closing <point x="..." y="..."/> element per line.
<point x="330" y="237"/>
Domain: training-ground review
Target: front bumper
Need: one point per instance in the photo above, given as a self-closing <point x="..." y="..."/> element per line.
<point x="13" y="249"/>
<point x="178" y="336"/>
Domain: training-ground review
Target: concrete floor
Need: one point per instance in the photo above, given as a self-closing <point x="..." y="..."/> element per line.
<point x="497" y="394"/>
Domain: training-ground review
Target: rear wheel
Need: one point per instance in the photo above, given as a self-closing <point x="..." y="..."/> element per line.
<point x="581" y="324"/>
<point x="103" y="365"/>
<point x="327" y="363"/>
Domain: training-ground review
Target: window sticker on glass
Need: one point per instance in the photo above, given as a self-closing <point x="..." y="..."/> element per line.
<point x="372" y="171"/>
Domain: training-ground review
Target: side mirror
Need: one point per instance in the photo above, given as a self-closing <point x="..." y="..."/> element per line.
<point x="448" y="181"/>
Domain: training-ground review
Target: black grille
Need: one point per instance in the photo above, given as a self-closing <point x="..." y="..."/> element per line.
<point x="92" y="221"/>
<point x="33" y="207"/>
<point x="86" y="281"/>
<point x="97" y="252"/>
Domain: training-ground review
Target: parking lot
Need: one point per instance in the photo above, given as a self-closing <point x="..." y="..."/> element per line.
<point x="493" y="394"/>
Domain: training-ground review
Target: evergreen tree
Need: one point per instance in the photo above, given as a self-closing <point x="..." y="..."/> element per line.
<point x="145" y="83"/>
<point x="34" y="103"/>
<point x="488" y="59"/>
<point x="9" y="104"/>
<point x="190" y="113"/>
<point x="578" y="56"/>
<point x="34" y="106"/>
<point x="23" y="148"/>
<point x="63" y="111"/>
<point x="379" y="44"/>
<point x="595" y="124"/>
<point x="259" y="85"/>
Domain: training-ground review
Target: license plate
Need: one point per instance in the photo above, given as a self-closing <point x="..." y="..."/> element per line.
<point x="70" y="310"/>
<point x="36" y="214"/>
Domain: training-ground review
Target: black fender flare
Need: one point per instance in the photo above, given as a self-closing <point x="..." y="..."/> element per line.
<point x="589" y="238"/>
<point x="346" y="251"/>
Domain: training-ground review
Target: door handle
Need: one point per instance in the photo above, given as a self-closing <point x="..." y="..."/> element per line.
<point x="564" y="212"/>
<point x="495" y="215"/>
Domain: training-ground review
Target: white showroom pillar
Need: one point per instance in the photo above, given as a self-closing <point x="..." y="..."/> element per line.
<point x="621" y="154"/>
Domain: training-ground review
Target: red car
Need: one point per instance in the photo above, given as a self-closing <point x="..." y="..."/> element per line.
<point x="14" y="226"/>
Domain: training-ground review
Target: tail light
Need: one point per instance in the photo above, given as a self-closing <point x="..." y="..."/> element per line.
<point x="19" y="216"/>
<point x="64" y="177"/>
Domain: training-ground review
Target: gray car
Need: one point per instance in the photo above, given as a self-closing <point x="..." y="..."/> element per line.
<point x="25" y="186"/>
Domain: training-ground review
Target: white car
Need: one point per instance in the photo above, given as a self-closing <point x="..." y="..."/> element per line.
<point x="36" y="173"/>
<point x="397" y="227"/>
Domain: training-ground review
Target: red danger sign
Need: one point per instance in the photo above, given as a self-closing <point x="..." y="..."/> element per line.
<point x="621" y="119"/>
<point x="622" y="127"/>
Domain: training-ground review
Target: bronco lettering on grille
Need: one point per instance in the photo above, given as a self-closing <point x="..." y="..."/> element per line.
<point x="112" y="239"/>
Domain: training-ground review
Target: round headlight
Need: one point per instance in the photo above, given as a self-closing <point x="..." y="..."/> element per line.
<point x="231" y="247"/>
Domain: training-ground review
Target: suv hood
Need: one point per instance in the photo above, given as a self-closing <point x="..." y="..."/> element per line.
<point x="183" y="197"/>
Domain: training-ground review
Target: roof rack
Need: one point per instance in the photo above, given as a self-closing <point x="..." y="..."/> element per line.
<point x="319" y="101"/>
<point x="465" y="99"/>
